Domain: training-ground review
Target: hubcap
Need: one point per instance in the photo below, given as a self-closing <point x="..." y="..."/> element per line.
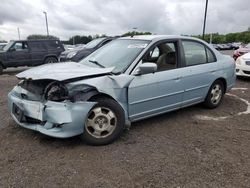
<point x="51" y="61"/>
<point x="216" y="94"/>
<point x="101" y="122"/>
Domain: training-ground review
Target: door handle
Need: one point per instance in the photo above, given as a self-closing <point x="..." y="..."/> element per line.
<point x="177" y="78"/>
<point x="213" y="71"/>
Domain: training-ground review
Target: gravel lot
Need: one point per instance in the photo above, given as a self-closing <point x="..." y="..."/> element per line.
<point x="192" y="147"/>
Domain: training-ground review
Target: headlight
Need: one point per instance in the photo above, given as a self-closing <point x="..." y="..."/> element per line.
<point x="238" y="61"/>
<point x="56" y="91"/>
<point x="71" y="54"/>
<point x="80" y="92"/>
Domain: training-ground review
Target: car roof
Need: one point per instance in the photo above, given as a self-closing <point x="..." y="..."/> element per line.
<point x="158" y="37"/>
<point x="35" y="40"/>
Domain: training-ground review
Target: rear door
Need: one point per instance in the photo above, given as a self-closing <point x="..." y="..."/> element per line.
<point x="18" y="54"/>
<point x="38" y="52"/>
<point x="200" y="70"/>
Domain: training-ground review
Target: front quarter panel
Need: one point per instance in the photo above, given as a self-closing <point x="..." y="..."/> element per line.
<point x="115" y="86"/>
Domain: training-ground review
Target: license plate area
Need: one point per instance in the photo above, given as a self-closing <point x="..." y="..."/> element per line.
<point x="17" y="112"/>
<point x="247" y="62"/>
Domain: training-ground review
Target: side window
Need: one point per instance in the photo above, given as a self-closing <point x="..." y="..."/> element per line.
<point x="52" y="44"/>
<point x="210" y="56"/>
<point x="155" y="53"/>
<point x="19" y="46"/>
<point x="197" y="53"/>
<point x="164" y="55"/>
<point x="37" y="46"/>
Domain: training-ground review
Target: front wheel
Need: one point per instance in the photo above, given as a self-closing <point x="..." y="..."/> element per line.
<point x="215" y="95"/>
<point x="50" y="60"/>
<point x="104" y="123"/>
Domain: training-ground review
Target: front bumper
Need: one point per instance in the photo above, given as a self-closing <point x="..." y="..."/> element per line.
<point x="243" y="70"/>
<point x="56" y="119"/>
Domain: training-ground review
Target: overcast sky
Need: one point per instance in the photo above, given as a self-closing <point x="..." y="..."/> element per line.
<point x="114" y="17"/>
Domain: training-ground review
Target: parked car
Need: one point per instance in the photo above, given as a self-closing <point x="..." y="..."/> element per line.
<point x="2" y="45"/>
<point x="127" y="80"/>
<point x="70" y="53"/>
<point x="223" y="47"/>
<point x="241" y="51"/>
<point x="215" y="46"/>
<point x="243" y="65"/>
<point x="236" y="45"/>
<point x="77" y="55"/>
<point x="30" y="53"/>
<point x="68" y="47"/>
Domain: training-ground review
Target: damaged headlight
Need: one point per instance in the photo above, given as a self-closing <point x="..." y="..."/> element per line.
<point x="71" y="54"/>
<point x="56" y="91"/>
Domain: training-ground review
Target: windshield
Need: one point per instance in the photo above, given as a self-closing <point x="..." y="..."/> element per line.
<point x="8" y="46"/>
<point x="118" y="54"/>
<point x="94" y="43"/>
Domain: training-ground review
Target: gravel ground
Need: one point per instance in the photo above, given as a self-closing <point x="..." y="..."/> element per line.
<point x="191" y="147"/>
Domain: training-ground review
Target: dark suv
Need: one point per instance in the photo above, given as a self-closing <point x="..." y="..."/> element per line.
<point x="30" y="53"/>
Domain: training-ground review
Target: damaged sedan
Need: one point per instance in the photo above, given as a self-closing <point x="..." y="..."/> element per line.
<point x="127" y="80"/>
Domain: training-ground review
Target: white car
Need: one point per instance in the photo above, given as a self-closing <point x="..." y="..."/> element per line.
<point x="243" y="65"/>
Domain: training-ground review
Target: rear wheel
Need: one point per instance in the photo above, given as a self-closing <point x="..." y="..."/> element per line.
<point x="215" y="95"/>
<point x="104" y="123"/>
<point x="50" y="60"/>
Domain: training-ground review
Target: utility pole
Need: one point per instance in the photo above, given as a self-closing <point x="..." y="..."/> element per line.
<point x="205" y="19"/>
<point x="18" y="32"/>
<point x="211" y="38"/>
<point x="46" y="19"/>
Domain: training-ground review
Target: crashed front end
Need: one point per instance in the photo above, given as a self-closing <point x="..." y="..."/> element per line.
<point x="48" y="107"/>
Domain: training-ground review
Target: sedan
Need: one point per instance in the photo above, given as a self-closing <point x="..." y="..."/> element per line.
<point x="243" y="65"/>
<point x="241" y="51"/>
<point x="78" y="54"/>
<point x="127" y="80"/>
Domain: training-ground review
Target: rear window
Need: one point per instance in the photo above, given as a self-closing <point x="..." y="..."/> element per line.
<point x="54" y="44"/>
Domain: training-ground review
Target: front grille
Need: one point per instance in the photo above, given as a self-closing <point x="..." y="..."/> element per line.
<point x="246" y="72"/>
<point x="33" y="120"/>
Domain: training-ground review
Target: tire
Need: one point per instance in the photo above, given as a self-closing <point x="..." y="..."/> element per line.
<point x="1" y="69"/>
<point x="50" y="60"/>
<point x="215" y="95"/>
<point x="105" y="122"/>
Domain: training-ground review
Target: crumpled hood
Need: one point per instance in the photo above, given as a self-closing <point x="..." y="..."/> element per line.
<point x="61" y="71"/>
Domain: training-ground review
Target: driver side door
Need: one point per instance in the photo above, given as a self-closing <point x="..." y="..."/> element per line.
<point x="155" y="93"/>
<point x="18" y="54"/>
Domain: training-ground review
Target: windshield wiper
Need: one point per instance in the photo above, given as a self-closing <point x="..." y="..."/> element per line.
<point x="96" y="63"/>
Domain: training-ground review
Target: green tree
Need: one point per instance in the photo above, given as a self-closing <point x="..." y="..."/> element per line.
<point x="133" y="33"/>
<point x="39" y="36"/>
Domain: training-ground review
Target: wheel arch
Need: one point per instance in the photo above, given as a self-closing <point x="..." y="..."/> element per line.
<point x="50" y="55"/>
<point x="124" y="107"/>
<point x="223" y="80"/>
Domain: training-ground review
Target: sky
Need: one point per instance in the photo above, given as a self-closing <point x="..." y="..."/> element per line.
<point x="115" y="17"/>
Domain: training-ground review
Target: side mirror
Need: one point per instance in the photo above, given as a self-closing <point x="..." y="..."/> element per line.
<point x="146" y="68"/>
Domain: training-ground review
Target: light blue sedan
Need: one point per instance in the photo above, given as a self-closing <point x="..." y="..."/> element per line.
<point x="127" y="80"/>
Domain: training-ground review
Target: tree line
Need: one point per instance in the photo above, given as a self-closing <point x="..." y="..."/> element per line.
<point x="228" y="38"/>
<point x="216" y="37"/>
